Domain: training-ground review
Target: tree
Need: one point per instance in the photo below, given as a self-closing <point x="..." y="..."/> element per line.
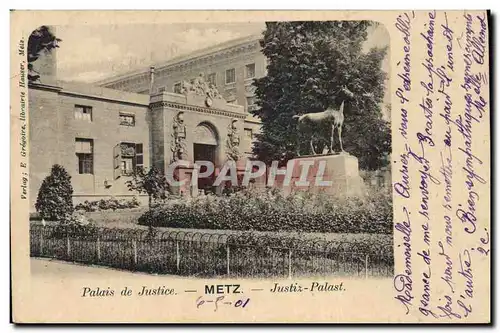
<point x="152" y="182"/>
<point x="308" y="63"/>
<point x="41" y="40"/>
<point x="55" y="197"/>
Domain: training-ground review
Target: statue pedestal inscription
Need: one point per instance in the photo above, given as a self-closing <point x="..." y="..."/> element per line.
<point x="329" y="174"/>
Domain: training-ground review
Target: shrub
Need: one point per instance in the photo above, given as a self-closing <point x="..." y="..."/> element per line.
<point x="55" y="197"/>
<point x="109" y="204"/>
<point x="76" y="226"/>
<point x="270" y="211"/>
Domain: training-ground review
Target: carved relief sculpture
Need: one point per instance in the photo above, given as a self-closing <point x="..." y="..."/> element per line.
<point x="178" y="145"/>
<point x="199" y="86"/>
<point x="213" y="92"/>
<point x="233" y="141"/>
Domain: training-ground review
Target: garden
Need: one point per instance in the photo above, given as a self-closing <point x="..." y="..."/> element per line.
<point x="249" y="232"/>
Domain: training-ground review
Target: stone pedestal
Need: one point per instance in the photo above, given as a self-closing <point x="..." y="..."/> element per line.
<point x="328" y="174"/>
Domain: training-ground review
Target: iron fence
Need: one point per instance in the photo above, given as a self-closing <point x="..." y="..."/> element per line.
<point x="210" y="254"/>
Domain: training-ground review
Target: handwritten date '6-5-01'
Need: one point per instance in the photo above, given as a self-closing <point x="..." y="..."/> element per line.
<point x="221" y="301"/>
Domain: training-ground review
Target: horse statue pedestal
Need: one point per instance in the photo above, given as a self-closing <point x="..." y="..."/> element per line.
<point x="336" y="175"/>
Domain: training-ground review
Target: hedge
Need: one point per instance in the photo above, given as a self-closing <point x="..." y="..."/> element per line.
<point x="270" y="211"/>
<point x="107" y="204"/>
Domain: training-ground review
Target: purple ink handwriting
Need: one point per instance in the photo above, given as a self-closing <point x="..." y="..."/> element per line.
<point x="403" y="24"/>
<point x="441" y="156"/>
<point x="403" y="281"/>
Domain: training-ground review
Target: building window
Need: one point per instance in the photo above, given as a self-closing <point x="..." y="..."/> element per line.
<point x="127" y="157"/>
<point x="162" y="89"/>
<point x="249" y="133"/>
<point x="127" y="119"/>
<point x="252" y="103"/>
<point x="83" y="113"/>
<point x="127" y="149"/>
<point x="250" y="71"/>
<point x="127" y="166"/>
<point x="139" y="155"/>
<point x="85" y="155"/>
<point x="250" y="100"/>
<point x="212" y="78"/>
<point x="177" y="88"/>
<point x="230" y="76"/>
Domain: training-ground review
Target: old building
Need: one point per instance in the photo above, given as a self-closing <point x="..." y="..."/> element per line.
<point x="188" y="107"/>
<point x="230" y="66"/>
<point x="100" y="134"/>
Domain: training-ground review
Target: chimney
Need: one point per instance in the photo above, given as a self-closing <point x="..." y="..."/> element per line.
<point x="151" y="79"/>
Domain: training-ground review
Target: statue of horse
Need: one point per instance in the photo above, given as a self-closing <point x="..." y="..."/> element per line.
<point x="309" y="121"/>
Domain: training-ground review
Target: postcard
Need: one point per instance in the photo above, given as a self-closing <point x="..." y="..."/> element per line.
<point x="250" y="166"/>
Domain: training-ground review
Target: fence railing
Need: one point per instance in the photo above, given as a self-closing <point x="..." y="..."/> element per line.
<point x="210" y="254"/>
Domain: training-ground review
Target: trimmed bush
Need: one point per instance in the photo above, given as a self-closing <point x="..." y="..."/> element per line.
<point x="109" y="204"/>
<point x="76" y="226"/>
<point x="55" y="197"/>
<point x="270" y="211"/>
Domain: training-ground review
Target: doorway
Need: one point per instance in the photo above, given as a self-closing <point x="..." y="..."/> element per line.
<point x="205" y="152"/>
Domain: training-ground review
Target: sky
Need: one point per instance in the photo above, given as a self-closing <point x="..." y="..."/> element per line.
<point x="89" y="53"/>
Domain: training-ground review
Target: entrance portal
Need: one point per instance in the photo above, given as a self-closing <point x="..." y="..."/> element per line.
<point x="205" y="149"/>
<point x="205" y="153"/>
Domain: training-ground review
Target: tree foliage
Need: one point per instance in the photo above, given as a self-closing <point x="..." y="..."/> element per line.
<point x="153" y="183"/>
<point x="41" y="40"/>
<point x="308" y="63"/>
<point x="55" y="197"/>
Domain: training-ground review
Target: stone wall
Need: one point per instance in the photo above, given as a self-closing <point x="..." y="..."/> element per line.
<point x="53" y="130"/>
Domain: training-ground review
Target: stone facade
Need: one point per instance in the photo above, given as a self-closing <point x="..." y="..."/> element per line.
<point x="213" y="62"/>
<point x="211" y="121"/>
<point x="63" y="114"/>
<point x="99" y="134"/>
<point x="55" y="127"/>
<point x="242" y="55"/>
